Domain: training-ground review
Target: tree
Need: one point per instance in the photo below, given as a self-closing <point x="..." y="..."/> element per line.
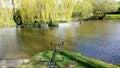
<point x="6" y="13"/>
<point x="67" y="8"/>
<point x="44" y="11"/>
<point x="16" y="14"/>
<point x="0" y="4"/>
<point x="83" y="9"/>
<point x="101" y="7"/>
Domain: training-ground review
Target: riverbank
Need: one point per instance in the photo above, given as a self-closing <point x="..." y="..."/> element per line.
<point x="12" y="63"/>
<point x="112" y="16"/>
<point x="71" y="60"/>
<point x="40" y="24"/>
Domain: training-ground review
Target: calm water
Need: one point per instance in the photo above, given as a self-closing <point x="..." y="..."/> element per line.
<point x="95" y="39"/>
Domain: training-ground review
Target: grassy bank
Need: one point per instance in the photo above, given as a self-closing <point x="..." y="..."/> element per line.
<point x="112" y="16"/>
<point x="71" y="60"/>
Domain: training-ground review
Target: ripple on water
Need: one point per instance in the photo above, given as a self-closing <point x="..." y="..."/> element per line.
<point x="108" y="51"/>
<point x="95" y="39"/>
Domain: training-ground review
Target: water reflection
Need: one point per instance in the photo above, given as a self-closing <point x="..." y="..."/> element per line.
<point x="9" y="46"/>
<point x="37" y="40"/>
<point x="95" y="39"/>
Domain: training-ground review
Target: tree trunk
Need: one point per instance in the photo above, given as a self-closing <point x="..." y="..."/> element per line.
<point x="104" y="15"/>
<point x="17" y="18"/>
<point x="13" y="5"/>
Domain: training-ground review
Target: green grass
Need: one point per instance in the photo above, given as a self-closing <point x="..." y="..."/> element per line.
<point x="112" y="16"/>
<point x="71" y="59"/>
<point x="119" y="2"/>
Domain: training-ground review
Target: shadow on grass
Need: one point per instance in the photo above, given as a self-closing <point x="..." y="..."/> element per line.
<point x="82" y="62"/>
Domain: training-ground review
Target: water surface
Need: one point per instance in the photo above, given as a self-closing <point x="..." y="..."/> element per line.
<point x="94" y="39"/>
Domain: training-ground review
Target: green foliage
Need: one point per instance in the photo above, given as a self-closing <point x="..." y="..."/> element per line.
<point x="104" y="6"/>
<point x="118" y="10"/>
<point x="119" y="3"/>
<point x="71" y="59"/>
<point x="6" y="14"/>
<point x="53" y="11"/>
<point x="83" y="9"/>
<point x="119" y="7"/>
<point x="47" y="11"/>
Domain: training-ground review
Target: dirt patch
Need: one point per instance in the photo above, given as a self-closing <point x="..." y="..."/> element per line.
<point x="12" y="63"/>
